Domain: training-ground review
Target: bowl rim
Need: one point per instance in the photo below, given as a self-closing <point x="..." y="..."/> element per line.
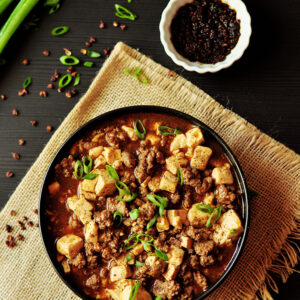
<point x="61" y="152"/>
<point x="235" y="54"/>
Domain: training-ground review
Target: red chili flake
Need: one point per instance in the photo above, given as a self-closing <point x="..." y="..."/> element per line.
<point x="35" y="211"/>
<point x="8" y="228"/>
<point x="68" y="94"/>
<point x="46" y="52"/>
<point x="74" y="92"/>
<point x="22" y="92"/>
<point x="15" y="112"/>
<point x="25" y="218"/>
<point x="21" y="142"/>
<point x="25" y="62"/>
<point x="20" y="237"/>
<point x="3" y="97"/>
<point x="92" y="40"/>
<point x="43" y="94"/>
<point x="123" y="27"/>
<point x="74" y="74"/>
<point x="88" y="44"/>
<point x="10" y="242"/>
<point x="107" y="51"/>
<point x="30" y="224"/>
<point x="54" y="76"/>
<point x="15" y="155"/>
<point x="33" y="122"/>
<point x="60" y="90"/>
<point x="67" y="51"/>
<point x="50" y="86"/>
<point x="9" y="174"/>
<point x="70" y="69"/>
<point x="22" y="225"/>
<point x="115" y="24"/>
<point x="170" y="73"/>
<point x="101" y="25"/>
<point x="13" y="213"/>
<point x="49" y="128"/>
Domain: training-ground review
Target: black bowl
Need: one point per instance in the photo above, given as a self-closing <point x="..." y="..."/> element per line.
<point x="63" y="151"/>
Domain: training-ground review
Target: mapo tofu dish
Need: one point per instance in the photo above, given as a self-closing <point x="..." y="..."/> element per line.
<point x="145" y="206"/>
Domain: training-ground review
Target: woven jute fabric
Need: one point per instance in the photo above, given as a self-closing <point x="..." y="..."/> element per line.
<point x="270" y="169"/>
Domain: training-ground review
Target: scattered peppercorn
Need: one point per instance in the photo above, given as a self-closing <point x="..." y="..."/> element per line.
<point x="46" y="52"/>
<point x="123" y="26"/>
<point x="15" y="155"/>
<point x="74" y="92"/>
<point x="74" y="74"/>
<point x="25" y="62"/>
<point x="9" y="174"/>
<point x="25" y="218"/>
<point x="106" y="51"/>
<point x="3" y="97"/>
<point x="15" y="112"/>
<point x="170" y="73"/>
<point x="37" y="225"/>
<point x="8" y="228"/>
<point x="43" y="94"/>
<point x="13" y="213"/>
<point x="30" y="224"/>
<point x="101" y="25"/>
<point x="60" y="90"/>
<point x="35" y="211"/>
<point x="88" y="44"/>
<point x="22" y="226"/>
<point x="21" y="142"/>
<point x="33" y="122"/>
<point x="54" y="76"/>
<point x="115" y="24"/>
<point x="10" y="242"/>
<point x="22" y="92"/>
<point x="20" y="237"/>
<point x="49" y="128"/>
<point x="68" y="94"/>
<point x="92" y="40"/>
<point x="67" y="51"/>
<point x="50" y="86"/>
<point x="70" y="69"/>
<point x="83" y="51"/>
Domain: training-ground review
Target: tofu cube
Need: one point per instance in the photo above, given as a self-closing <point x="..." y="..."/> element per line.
<point x="162" y="223"/>
<point x="91" y="232"/>
<point x="175" y="255"/>
<point x="119" y="273"/>
<point x="168" y="182"/>
<point x="173" y="163"/>
<point x="177" y="217"/>
<point x="201" y="157"/>
<point x="69" y="245"/>
<point x="95" y="152"/>
<point x="89" y="185"/>
<point x="154" y="184"/>
<point x="100" y="162"/>
<point x="81" y="207"/>
<point x="194" y="137"/>
<point x="151" y="260"/>
<point x="222" y="175"/>
<point x="138" y="249"/>
<point x="54" y="188"/>
<point x="171" y="272"/>
<point x="197" y="217"/>
<point x="111" y="154"/>
<point x="209" y="198"/>
<point x="178" y="142"/>
<point x="154" y="139"/>
<point x="105" y="184"/>
<point x="130" y="132"/>
<point x="142" y="294"/>
<point x="186" y="242"/>
<point x="66" y="267"/>
<point x="189" y="152"/>
<point x="71" y="202"/>
<point x="97" y="137"/>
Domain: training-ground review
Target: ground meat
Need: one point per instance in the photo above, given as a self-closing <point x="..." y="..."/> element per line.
<point x="78" y="261"/>
<point x="65" y="168"/>
<point x="104" y="219"/>
<point x="93" y="282"/>
<point x="160" y="157"/>
<point x="166" y="289"/>
<point x="187" y="196"/>
<point x="143" y="192"/>
<point x="158" y="268"/>
<point x="160" y="243"/>
<point x="206" y="185"/>
<point x="223" y="196"/>
<point x="174" y="242"/>
<point x="115" y="137"/>
<point x="175" y="198"/>
<point x="200" y="281"/>
<point x="91" y="248"/>
<point x="197" y="234"/>
<point x="92" y="261"/>
<point x="185" y="274"/>
<point x="113" y="205"/>
<point x="128" y="177"/>
<point x="187" y="293"/>
<point x="204" y="248"/>
<point x="194" y="262"/>
<point x="141" y="272"/>
<point x="74" y="222"/>
<point x="106" y="236"/>
<point x="207" y="260"/>
<point x="147" y="211"/>
<point x="128" y="159"/>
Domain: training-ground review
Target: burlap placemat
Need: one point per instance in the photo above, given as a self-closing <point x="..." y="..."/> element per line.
<point x="270" y="168"/>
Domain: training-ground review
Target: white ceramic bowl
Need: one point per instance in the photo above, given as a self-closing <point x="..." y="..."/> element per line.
<point x="243" y="42"/>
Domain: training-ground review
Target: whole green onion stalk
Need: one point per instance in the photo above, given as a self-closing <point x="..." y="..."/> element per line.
<point x="4" y="4"/>
<point x="18" y="15"/>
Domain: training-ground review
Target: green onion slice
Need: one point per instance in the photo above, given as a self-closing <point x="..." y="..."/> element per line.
<point x="65" y="80"/>
<point x="145" y="235"/>
<point x="87" y="164"/>
<point x="128" y="257"/>
<point x="90" y="176"/>
<point x="69" y="60"/>
<point x="132" y="71"/>
<point x="54" y="9"/>
<point x="232" y="231"/>
<point x="147" y="247"/>
<point x="134" y="214"/>
<point x="122" y="191"/>
<point x="161" y="254"/>
<point x="88" y="64"/>
<point x="78" y="168"/>
<point x="137" y="123"/>
<point x="209" y="222"/>
<point x="166" y="130"/>
<point x="118" y="217"/>
<point x="112" y="172"/>
<point x="51" y="2"/>
<point x="27" y="82"/>
<point x="180" y="177"/>
<point x="126" y="246"/>
<point x="77" y="79"/>
<point x="205" y="208"/>
<point x="158" y="298"/>
<point x="152" y="222"/>
<point x="141" y="78"/>
<point x="124" y="13"/>
<point x="139" y="264"/>
<point x="131" y="198"/>
<point x="93" y="54"/>
<point x="134" y="291"/>
<point x="159" y="201"/>
<point x="60" y="30"/>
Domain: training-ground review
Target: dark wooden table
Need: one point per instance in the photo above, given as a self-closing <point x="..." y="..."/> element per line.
<point x="263" y="86"/>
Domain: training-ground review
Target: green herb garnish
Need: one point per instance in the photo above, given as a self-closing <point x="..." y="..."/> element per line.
<point x="27" y="82"/>
<point x="93" y="54"/>
<point x="118" y="217"/>
<point x="77" y="79"/>
<point x="134" y="291"/>
<point x="128" y="257"/>
<point x="65" y="80"/>
<point x="152" y="222"/>
<point x="84" y="167"/>
<point x="134" y="214"/>
<point x="131" y="198"/>
<point x="205" y="208"/>
<point x="123" y="191"/>
<point x="165" y="130"/>
<point x="139" y="264"/>
<point x="90" y="176"/>
<point x="137" y="73"/>
<point x="134" y="236"/>
<point x="158" y="298"/>
<point x="161" y="254"/>
<point x="124" y="13"/>
<point x="112" y="172"/>
<point x="159" y="201"/>
<point x="180" y="177"/>
<point x="142" y="134"/>
<point x="209" y="222"/>
<point x="88" y="64"/>
<point x="69" y="60"/>
<point x="87" y="164"/>
<point x="60" y="30"/>
<point x="232" y="231"/>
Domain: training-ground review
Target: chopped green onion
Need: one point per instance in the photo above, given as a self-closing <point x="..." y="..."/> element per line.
<point x="77" y="79"/>
<point x="87" y="167"/>
<point x="141" y="78"/>
<point x="152" y="222"/>
<point x="125" y="191"/>
<point x="118" y="217"/>
<point x="147" y="247"/>
<point x="134" y="291"/>
<point x="4" y="4"/>
<point x="139" y="264"/>
<point x="141" y="135"/>
<point x="124" y="13"/>
<point x="205" y="208"/>
<point x="158" y="298"/>
<point x="65" y="80"/>
<point x="134" y="236"/>
<point x="131" y="198"/>
<point x="93" y="54"/>
<point x="161" y="254"/>
<point x="90" y="176"/>
<point x="129" y="1"/>
<point x="180" y="177"/>
<point x="209" y="222"/>
<point x="232" y="231"/>
<point x="69" y="60"/>
<point x="60" y="30"/>
<point x="252" y="193"/>
<point x="166" y="130"/>
<point x="128" y="257"/>
<point x="134" y="214"/>
<point x="78" y="165"/>
<point x="159" y="201"/>
<point x="54" y="9"/>
<point x="51" y="2"/>
<point x="145" y="235"/>
<point x="136" y="72"/>
<point x="88" y="64"/>
<point x="27" y="82"/>
<point x="112" y="172"/>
